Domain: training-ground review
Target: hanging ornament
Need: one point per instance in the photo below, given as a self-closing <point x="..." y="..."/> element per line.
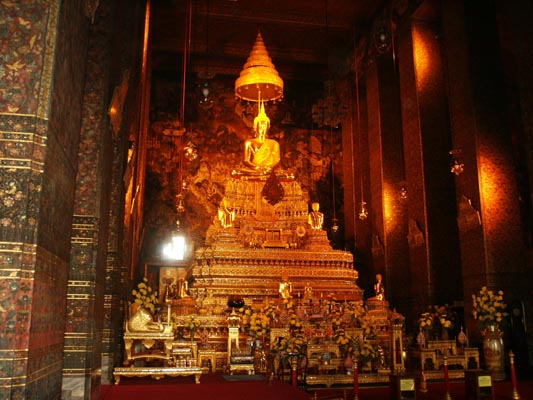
<point x="363" y="212"/>
<point x="190" y="152"/>
<point x="180" y="205"/>
<point x="335" y="226"/>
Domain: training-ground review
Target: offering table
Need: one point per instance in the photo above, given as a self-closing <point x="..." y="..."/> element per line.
<point x="156" y="345"/>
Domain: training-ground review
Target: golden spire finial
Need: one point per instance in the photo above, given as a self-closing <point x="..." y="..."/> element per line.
<point x="259" y="80"/>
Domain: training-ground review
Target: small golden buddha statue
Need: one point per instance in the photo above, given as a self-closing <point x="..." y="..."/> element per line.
<point x="315" y="218"/>
<point x="183" y="288"/>
<point x="225" y="215"/>
<point x="285" y="289"/>
<point x="261" y="155"/>
<point x="378" y="288"/>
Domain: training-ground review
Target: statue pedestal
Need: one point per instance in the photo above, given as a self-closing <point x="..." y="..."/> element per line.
<point x="378" y="305"/>
<point x="318" y="241"/>
<point x="227" y="237"/>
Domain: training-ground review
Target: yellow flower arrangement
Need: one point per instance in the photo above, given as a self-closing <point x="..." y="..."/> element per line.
<point x="293" y="344"/>
<point x="259" y="325"/>
<point x="426" y="320"/>
<point x="145" y="296"/>
<point x="336" y="321"/>
<point x="295" y="325"/>
<point x="445" y="317"/>
<point x="341" y="338"/>
<point x="368" y="323"/>
<point x="488" y="308"/>
<point x="256" y="322"/>
<point x="438" y="322"/>
<point x="193" y="323"/>
<point x="357" y="347"/>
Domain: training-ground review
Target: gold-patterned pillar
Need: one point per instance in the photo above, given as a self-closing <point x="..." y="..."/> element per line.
<point x="117" y="274"/>
<point x="90" y="226"/>
<point x="489" y="218"/>
<point x="432" y="229"/>
<point x="387" y="211"/>
<point x="356" y="182"/>
<point x="40" y="111"/>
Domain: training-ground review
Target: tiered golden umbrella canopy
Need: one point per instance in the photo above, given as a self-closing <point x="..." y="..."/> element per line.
<point x="259" y="80"/>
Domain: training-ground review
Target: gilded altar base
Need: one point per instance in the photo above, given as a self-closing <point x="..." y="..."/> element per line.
<point x="255" y="274"/>
<point x="258" y="242"/>
<point x="157" y="372"/>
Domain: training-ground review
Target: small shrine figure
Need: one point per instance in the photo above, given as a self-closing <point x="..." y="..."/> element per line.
<point x="170" y="292"/>
<point x="462" y="338"/>
<point x="285" y="289"/>
<point x="421" y="339"/>
<point x="261" y="155"/>
<point x="225" y="215"/>
<point x="183" y="290"/>
<point x="308" y="291"/>
<point x="378" y="288"/>
<point x="315" y="218"/>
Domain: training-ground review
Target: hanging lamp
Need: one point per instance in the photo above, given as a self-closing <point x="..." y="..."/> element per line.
<point x="177" y="247"/>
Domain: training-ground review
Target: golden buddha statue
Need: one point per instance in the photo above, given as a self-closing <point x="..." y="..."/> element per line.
<point x="225" y="215"/>
<point x="285" y="289"/>
<point x="141" y="321"/>
<point x="378" y="288"/>
<point x="261" y="155"/>
<point x="315" y="218"/>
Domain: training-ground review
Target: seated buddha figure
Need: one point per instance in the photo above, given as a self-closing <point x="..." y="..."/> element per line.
<point x="315" y="218"/>
<point x="261" y="155"/>
<point x="379" y="288"/>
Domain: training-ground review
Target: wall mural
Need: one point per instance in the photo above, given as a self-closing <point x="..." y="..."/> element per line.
<point x="217" y="134"/>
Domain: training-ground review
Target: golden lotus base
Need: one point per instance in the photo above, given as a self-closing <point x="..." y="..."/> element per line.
<point x="157" y="372"/>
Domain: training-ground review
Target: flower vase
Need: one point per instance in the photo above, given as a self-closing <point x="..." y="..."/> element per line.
<point x="421" y="339"/>
<point x="493" y="352"/>
<point x="348" y="364"/>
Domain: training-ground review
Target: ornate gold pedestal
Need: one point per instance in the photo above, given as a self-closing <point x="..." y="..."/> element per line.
<point x="156" y="345"/>
<point x="208" y="357"/>
<point x="268" y="242"/>
<point x="257" y="273"/>
<point x="157" y="373"/>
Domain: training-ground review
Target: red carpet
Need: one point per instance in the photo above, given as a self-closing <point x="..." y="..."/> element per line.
<point x="215" y="387"/>
<point x="211" y="387"/>
<point x="436" y="391"/>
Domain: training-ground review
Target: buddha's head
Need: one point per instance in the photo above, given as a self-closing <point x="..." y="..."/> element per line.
<point x="261" y="122"/>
